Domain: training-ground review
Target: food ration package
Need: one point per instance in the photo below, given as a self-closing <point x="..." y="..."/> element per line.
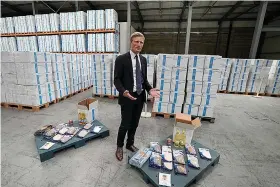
<point x="63" y="130"/>
<point x="71" y="130"/>
<point x="178" y="157"/>
<point x="96" y="129"/>
<point x="204" y="153"/>
<point x="139" y="159"/>
<point x="167" y="156"/>
<point x="43" y="129"/>
<point x="51" y="133"/>
<point x="168" y="166"/>
<point x="155" y="147"/>
<point x="190" y="149"/>
<point x="155" y="160"/>
<point x="66" y="138"/>
<point x="180" y="169"/>
<point x="83" y="133"/>
<point x="164" y="179"/>
<point x="47" y="145"/>
<point x="166" y="148"/>
<point x="57" y="137"/>
<point x="88" y="126"/>
<point x="60" y="126"/>
<point x="193" y="161"/>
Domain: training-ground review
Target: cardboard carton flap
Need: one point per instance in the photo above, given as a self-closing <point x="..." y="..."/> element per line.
<point x="86" y="103"/>
<point x="196" y="123"/>
<point x="183" y="118"/>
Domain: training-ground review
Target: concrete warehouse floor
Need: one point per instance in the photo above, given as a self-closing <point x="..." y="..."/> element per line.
<point x="246" y="134"/>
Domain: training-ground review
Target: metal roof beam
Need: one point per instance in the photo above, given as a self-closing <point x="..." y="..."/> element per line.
<point x="13" y="8"/>
<point x="193" y="20"/>
<point x="91" y="5"/>
<point x="245" y="12"/>
<point x="136" y="5"/>
<point x="183" y="11"/>
<point x="233" y="8"/>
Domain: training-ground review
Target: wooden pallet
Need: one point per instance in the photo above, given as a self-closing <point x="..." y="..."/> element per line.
<point x="87" y="88"/>
<point x="209" y="119"/>
<point x="222" y="91"/>
<point x="75" y="142"/>
<point x="103" y="95"/>
<point x="27" y="107"/>
<point x="163" y="114"/>
<point x="272" y="95"/>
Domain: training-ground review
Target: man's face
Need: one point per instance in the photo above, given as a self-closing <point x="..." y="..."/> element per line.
<point x="137" y="44"/>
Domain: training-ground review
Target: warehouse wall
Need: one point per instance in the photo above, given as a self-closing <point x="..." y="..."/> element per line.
<point x="203" y="42"/>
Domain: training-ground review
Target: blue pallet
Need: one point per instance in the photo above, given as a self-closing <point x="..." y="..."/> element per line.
<point x="150" y="175"/>
<point x="73" y="142"/>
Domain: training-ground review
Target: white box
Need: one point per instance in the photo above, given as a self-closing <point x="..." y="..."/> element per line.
<point x="174" y="108"/>
<point x="209" y="88"/>
<point x="164" y="72"/>
<point x="179" y="74"/>
<point x="177" y="86"/>
<point x="88" y="110"/>
<point x="211" y="76"/>
<point x="163" y="84"/>
<point x="193" y="98"/>
<point x="177" y="97"/>
<point x="160" y="107"/>
<point x="209" y="100"/>
<point x="172" y="60"/>
<point x="195" y="74"/>
<point x="191" y="110"/>
<point x="163" y="97"/>
<point x="194" y="86"/>
<point x="206" y="111"/>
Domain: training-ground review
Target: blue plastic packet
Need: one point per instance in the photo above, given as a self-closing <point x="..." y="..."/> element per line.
<point x="180" y="169"/>
<point x="204" y="153"/>
<point x="193" y="161"/>
<point x="168" y="166"/>
<point x="155" y="160"/>
<point x="155" y="147"/>
<point x="190" y="149"/>
<point x="178" y="157"/>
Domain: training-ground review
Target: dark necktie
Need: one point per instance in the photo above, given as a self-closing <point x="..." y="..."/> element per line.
<point x="139" y="78"/>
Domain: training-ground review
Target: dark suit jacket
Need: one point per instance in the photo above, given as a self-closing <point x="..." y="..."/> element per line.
<point x="123" y="76"/>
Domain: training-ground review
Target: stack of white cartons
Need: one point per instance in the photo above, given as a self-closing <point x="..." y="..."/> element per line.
<point x="20" y="24"/>
<point x="96" y="73"/>
<point x="68" y="21"/>
<point x="54" y="21"/>
<point x="202" y="84"/>
<point x="84" y="64"/>
<point x="106" y="69"/>
<point x="27" y="43"/>
<point x="49" y="43"/>
<point x="274" y="82"/>
<point x="111" y="19"/>
<point x="244" y="74"/>
<point x="42" y="22"/>
<point x="73" y="43"/>
<point x="258" y="77"/>
<point x="74" y="73"/>
<point x="234" y="75"/>
<point x="30" y="21"/>
<point x="114" y="90"/>
<point x="91" y="19"/>
<point x="100" y="19"/>
<point x="151" y="64"/>
<point x="111" y="42"/>
<point x="61" y="74"/>
<point x="10" y="25"/>
<point x="100" y="44"/>
<point x="27" y="78"/>
<point x="3" y="26"/>
<point x="225" y="71"/>
<point x="171" y="76"/>
<point x="91" y="43"/>
<point x="81" y="20"/>
<point x="8" y="44"/>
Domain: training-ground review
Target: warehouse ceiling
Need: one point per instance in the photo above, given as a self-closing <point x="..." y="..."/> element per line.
<point x="152" y="11"/>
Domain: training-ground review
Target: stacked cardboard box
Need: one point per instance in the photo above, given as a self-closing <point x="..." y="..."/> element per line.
<point x="68" y="21"/>
<point x="114" y="90"/>
<point x="111" y="19"/>
<point x="81" y="20"/>
<point x="100" y="19"/>
<point x="47" y="22"/>
<point x="171" y="76"/>
<point x="100" y="43"/>
<point x="49" y="43"/>
<point x="106" y="69"/>
<point x="258" y="77"/>
<point x="74" y="73"/>
<point x="27" y="43"/>
<point x="3" y="26"/>
<point x="91" y="43"/>
<point x="274" y="82"/>
<point x="10" y="26"/>
<point x="61" y="74"/>
<point x="111" y="42"/>
<point x="244" y="75"/>
<point x="91" y="19"/>
<point x="96" y="73"/>
<point x="202" y="85"/>
<point x="225" y="72"/>
<point x="8" y="44"/>
<point x="27" y="78"/>
<point x="85" y="70"/>
<point x="24" y="24"/>
<point x="73" y="43"/>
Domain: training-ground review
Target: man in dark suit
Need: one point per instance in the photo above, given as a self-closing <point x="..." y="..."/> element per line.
<point x="130" y="79"/>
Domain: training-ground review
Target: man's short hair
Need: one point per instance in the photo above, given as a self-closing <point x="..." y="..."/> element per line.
<point x="136" y="34"/>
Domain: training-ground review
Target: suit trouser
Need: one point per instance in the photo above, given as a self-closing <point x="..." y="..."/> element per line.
<point x="131" y="112"/>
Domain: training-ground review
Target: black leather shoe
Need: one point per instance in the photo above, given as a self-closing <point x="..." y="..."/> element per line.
<point x="132" y="148"/>
<point x="119" y="153"/>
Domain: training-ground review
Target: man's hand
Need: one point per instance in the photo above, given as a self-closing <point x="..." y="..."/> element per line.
<point x="127" y="94"/>
<point x="154" y="92"/>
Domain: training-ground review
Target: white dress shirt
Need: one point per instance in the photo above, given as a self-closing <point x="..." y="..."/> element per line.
<point x="132" y="55"/>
